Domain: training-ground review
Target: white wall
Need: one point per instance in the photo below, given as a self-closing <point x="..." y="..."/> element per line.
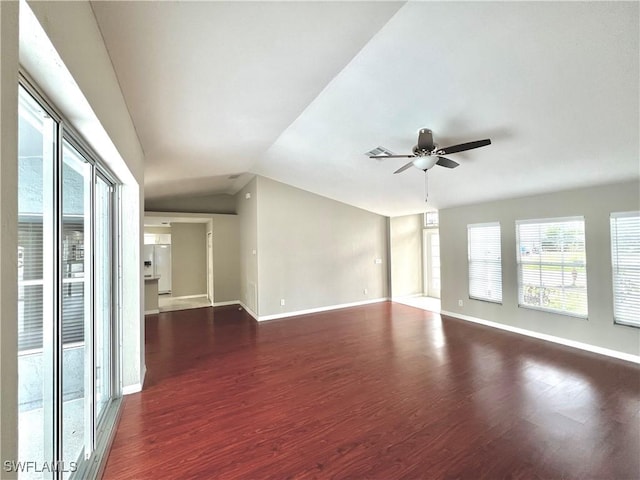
<point x="406" y="255"/>
<point x="8" y="231"/>
<point x="595" y="204"/>
<point x="316" y="252"/>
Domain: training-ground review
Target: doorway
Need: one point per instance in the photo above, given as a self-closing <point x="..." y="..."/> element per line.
<point x="187" y="240"/>
<point x="431" y="262"/>
<point x="210" y="266"/>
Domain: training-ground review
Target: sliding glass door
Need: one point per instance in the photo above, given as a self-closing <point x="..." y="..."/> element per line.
<point x="66" y="321"/>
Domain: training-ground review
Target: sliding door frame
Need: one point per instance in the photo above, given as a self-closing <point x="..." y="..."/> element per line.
<point x="98" y="432"/>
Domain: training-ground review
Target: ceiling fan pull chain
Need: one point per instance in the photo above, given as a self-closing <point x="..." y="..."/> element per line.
<point x="426" y="187"/>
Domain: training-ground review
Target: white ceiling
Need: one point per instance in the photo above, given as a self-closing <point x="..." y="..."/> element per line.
<point x="298" y="91"/>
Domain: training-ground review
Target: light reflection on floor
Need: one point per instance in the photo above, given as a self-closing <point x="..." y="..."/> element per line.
<point x="426" y="303"/>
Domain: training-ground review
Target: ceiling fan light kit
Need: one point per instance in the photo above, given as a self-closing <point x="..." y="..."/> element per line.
<point x="424" y="162"/>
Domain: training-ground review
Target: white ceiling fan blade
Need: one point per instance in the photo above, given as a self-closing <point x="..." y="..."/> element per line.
<point x="404" y="167"/>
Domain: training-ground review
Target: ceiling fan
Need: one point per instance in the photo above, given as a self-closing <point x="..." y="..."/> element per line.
<point x="426" y="154"/>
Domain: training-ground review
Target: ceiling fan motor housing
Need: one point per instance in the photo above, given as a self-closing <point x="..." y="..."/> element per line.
<point x="418" y="152"/>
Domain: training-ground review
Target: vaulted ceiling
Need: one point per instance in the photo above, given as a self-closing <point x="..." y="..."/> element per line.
<point x="299" y="91"/>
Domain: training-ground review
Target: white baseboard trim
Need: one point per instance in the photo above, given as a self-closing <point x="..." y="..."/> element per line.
<point x="319" y="309"/>
<point x="249" y="311"/>
<point x="136" y="387"/>
<point x="190" y="296"/>
<point x="230" y="302"/>
<point x="549" y="338"/>
<point x="151" y="312"/>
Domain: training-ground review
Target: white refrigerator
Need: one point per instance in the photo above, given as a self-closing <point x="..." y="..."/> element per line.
<point x="157" y="263"/>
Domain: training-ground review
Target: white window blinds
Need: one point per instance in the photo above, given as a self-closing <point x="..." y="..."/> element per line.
<point x="625" y="256"/>
<point x="485" y="262"/>
<point x="552" y="272"/>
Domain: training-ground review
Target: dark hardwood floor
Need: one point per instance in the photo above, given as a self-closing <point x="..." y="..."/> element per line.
<point x="382" y="391"/>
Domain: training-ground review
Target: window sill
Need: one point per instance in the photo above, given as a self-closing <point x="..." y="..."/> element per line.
<point x="557" y="312"/>
<point x="497" y="302"/>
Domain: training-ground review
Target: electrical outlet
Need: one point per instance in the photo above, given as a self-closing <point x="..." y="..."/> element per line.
<point x="460" y="303"/>
<point x="282" y="302"/>
<point x="365" y="291"/>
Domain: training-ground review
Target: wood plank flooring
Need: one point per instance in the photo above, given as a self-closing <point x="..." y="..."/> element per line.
<point x="383" y="391"/>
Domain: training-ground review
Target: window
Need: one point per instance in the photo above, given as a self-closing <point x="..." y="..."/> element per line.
<point x="485" y="262"/>
<point x="552" y="272"/>
<point x="625" y="257"/>
<point x="431" y="219"/>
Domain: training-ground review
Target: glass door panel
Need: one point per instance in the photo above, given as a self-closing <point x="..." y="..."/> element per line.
<point x="103" y="294"/>
<point x="36" y="379"/>
<point x="76" y="299"/>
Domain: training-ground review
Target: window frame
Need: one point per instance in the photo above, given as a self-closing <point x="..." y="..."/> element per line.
<point x="613" y="216"/>
<point x="519" y="262"/>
